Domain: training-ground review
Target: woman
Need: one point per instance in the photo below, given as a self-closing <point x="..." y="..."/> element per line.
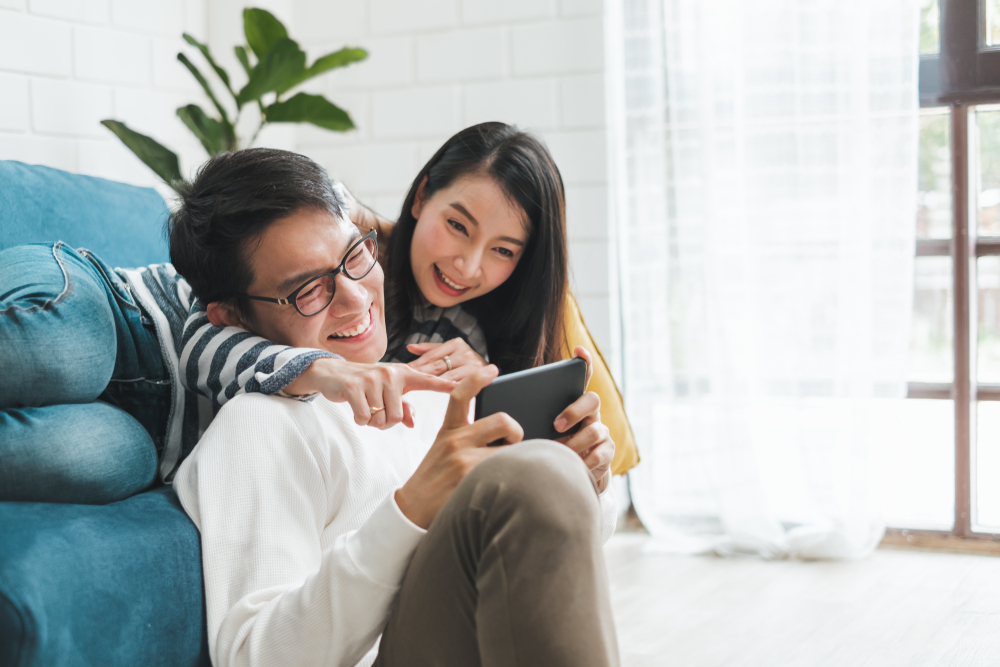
<point x="483" y="228"/>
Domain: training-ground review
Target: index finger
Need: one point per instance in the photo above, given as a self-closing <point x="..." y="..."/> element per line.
<point x="457" y="414"/>
<point x="414" y="380"/>
<point x="421" y="348"/>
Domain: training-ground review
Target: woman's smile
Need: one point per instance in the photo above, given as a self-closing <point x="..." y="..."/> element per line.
<point x="448" y="286"/>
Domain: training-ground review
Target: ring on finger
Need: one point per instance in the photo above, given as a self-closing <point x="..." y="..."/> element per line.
<point x="374" y="410"/>
<point x="447" y="361"/>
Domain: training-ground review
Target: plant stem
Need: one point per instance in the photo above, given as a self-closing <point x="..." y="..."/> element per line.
<point x="254" y="137"/>
<point x="263" y="120"/>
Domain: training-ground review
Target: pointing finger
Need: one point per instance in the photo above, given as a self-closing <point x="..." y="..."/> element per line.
<point x="414" y="380"/>
<point x="457" y="414"/>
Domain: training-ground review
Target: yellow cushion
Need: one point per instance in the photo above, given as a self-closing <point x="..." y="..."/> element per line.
<point x="601" y="383"/>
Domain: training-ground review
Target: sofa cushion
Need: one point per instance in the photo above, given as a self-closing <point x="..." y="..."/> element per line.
<point x="117" y="584"/>
<point x="122" y="224"/>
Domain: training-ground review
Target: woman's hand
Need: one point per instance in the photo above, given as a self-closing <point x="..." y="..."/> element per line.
<point x="464" y="360"/>
<point x="367" y="386"/>
<point x="593" y="441"/>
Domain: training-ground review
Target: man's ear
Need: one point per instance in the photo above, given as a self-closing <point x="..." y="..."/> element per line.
<point x="418" y="200"/>
<point x="221" y="314"/>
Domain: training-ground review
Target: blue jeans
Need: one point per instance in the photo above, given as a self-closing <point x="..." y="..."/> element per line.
<point x="85" y="396"/>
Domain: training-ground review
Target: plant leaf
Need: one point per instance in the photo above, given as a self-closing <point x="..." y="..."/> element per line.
<point x="212" y="134"/>
<point x="161" y="160"/>
<point x="244" y="59"/>
<point x="315" y="109"/>
<point x="345" y="56"/>
<point x="211" y="61"/>
<point x="263" y="31"/>
<point x="285" y="62"/>
<point x="342" y="58"/>
<point x="204" y="84"/>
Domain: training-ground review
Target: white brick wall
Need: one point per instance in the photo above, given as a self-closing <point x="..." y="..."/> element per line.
<point x="65" y="65"/>
<point x="461" y="55"/>
<point x="491" y="11"/>
<point x="82" y="11"/>
<point x="14" y="110"/>
<point x="437" y="66"/>
<point x="405" y="15"/>
<point x="111" y="56"/>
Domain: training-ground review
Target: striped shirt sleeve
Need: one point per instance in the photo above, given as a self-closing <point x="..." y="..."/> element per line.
<point x="220" y="363"/>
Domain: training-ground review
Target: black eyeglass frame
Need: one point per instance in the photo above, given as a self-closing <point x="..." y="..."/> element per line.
<point x="290" y="300"/>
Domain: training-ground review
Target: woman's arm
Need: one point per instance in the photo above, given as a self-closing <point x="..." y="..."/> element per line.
<point x="221" y="363"/>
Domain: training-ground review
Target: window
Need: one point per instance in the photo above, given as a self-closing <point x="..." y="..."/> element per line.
<point x="955" y="344"/>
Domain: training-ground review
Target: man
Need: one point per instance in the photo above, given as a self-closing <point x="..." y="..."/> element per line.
<point x="319" y="535"/>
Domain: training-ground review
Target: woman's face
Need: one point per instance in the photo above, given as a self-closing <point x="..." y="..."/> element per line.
<point x="468" y="239"/>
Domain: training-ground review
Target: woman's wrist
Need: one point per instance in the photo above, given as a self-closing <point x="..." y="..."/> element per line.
<point x="310" y="380"/>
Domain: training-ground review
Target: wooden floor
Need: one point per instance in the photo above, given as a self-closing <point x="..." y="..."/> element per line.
<point x="897" y="607"/>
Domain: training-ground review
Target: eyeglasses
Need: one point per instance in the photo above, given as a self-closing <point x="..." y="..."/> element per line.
<point x="317" y="293"/>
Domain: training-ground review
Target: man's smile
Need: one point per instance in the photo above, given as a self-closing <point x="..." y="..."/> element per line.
<point x="359" y="330"/>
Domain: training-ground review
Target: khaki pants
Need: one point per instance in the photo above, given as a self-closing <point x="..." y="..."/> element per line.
<point x="511" y="572"/>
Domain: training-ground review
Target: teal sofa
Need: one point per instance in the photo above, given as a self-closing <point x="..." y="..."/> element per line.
<point x="109" y="585"/>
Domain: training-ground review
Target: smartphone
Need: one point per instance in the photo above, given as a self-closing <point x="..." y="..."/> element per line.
<point x="535" y="397"/>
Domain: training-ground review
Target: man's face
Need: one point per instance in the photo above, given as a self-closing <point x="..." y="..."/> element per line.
<point x="293" y="250"/>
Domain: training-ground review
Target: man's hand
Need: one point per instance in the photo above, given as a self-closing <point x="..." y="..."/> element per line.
<point x="459" y="447"/>
<point x="367" y="386"/>
<point x="593" y="441"/>
<point x="464" y="360"/>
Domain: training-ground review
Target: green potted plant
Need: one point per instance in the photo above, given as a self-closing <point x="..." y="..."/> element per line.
<point x="274" y="65"/>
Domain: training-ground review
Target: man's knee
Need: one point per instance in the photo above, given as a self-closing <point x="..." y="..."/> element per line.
<point x="545" y="483"/>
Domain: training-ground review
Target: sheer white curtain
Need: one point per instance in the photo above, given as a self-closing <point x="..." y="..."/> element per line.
<point x="766" y="179"/>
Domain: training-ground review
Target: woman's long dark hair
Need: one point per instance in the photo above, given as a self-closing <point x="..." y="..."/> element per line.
<point x="522" y="318"/>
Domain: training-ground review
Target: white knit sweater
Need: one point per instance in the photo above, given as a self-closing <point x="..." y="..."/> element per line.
<point x="303" y="546"/>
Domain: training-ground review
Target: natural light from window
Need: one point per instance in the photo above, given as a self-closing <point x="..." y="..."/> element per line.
<point x="930" y="39"/>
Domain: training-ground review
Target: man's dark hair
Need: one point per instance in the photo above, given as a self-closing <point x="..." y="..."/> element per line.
<point x="224" y="212"/>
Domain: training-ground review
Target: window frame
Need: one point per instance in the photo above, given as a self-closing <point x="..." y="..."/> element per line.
<point x="963" y="74"/>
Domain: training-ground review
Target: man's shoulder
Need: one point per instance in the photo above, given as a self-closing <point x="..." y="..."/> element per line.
<point x="269" y="430"/>
<point x="273" y="416"/>
<point x="269" y="414"/>
<point x="255" y="440"/>
<point x="255" y="407"/>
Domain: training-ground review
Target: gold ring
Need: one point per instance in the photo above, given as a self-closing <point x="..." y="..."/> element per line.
<point x="374" y="410"/>
<point x="447" y="360"/>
